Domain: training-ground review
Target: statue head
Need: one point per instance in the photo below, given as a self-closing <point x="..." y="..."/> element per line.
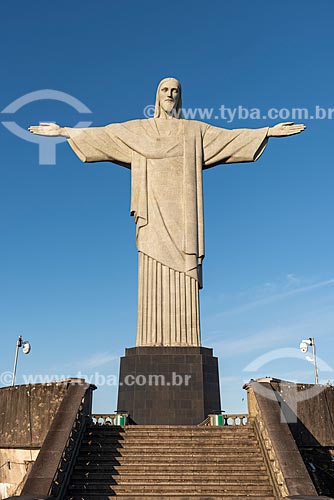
<point x="168" y="99"/>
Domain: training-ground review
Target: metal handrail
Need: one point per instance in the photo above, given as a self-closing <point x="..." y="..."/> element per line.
<point x="66" y="465"/>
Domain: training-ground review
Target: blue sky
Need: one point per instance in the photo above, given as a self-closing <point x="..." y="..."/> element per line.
<point x="68" y="260"/>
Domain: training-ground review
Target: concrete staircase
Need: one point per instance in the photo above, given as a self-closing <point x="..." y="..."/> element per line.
<point x="176" y="463"/>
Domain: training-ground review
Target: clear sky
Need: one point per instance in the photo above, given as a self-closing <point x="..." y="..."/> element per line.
<point x="68" y="259"/>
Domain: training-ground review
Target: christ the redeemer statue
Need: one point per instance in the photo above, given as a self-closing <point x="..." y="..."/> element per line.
<point x="166" y="155"/>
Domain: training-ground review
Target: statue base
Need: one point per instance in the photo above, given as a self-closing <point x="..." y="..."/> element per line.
<point x="168" y="385"/>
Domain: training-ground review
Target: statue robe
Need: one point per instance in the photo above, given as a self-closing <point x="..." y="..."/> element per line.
<point x="166" y="158"/>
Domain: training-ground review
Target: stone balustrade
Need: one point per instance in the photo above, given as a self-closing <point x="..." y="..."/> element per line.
<point x="110" y="418"/>
<point x="231" y="419"/>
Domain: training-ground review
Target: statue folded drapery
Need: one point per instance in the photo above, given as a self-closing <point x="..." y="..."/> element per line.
<point x="166" y="158"/>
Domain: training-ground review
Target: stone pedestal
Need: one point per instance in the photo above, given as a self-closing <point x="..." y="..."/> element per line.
<point x="168" y="385"/>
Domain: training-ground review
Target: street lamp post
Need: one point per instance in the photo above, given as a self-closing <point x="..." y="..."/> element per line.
<point x="304" y="345"/>
<point x="25" y="348"/>
<point x="316" y="374"/>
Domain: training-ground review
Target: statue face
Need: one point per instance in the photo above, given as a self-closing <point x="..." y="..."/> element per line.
<point x="169" y="95"/>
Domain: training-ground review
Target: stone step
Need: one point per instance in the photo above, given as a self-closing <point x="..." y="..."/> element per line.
<point x="153" y="440"/>
<point x="165" y="458"/>
<point x="171" y="435"/>
<point x="178" y="460"/>
<point x="170" y="463"/>
<point x="186" y="445"/>
<point x="170" y="477"/>
<point x="187" y="429"/>
<point x="206" y="447"/>
<point x="173" y="487"/>
<point x="213" y="431"/>
<point x="231" y="437"/>
<point x="219" y="468"/>
<point x="170" y="496"/>
<point x="196" y="452"/>
<point x="198" y="431"/>
<point x="168" y="470"/>
<point x="177" y="428"/>
<point x="171" y="445"/>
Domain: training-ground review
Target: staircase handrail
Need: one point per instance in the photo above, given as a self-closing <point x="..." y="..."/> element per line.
<point x="52" y="469"/>
<point x="288" y="471"/>
<point x="66" y="464"/>
<point x="269" y="455"/>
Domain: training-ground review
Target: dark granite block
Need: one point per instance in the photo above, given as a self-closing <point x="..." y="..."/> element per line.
<point x="169" y="385"/>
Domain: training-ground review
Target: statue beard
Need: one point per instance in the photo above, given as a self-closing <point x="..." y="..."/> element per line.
<point x="169" y="108"/>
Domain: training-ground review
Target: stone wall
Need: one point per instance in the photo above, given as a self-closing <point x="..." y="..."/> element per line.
<point x="26" y="413"/>
<point x="314" y="407"/>
<point x="283" y="456"/>
<point x="299" y="422"/>
<point x="16" y="464"/>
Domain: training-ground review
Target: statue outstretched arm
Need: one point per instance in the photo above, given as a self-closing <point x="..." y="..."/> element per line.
<point x="93" y="144"/>
<point x="241" y="145"/>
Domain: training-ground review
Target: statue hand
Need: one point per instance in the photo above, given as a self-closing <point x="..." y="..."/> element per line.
<point x="48" y="129"/>
<point x="284" y="129"/>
